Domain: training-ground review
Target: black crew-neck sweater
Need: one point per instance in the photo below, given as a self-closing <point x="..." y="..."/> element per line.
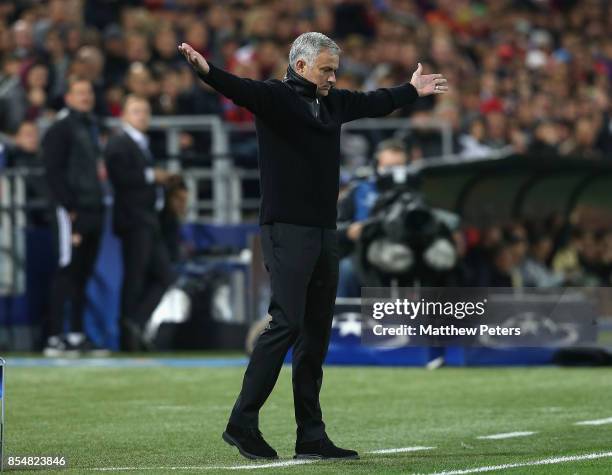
<point x="298" y="135"/>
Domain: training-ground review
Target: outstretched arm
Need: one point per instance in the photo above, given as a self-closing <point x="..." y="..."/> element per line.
<point x="249" y="93"/>
<point x="382" y="102"/>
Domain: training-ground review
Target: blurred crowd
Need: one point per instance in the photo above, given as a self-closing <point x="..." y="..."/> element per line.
<point x="545" y="250"/>
<point x="549" y="254"/>
<point x="525" y="75"/>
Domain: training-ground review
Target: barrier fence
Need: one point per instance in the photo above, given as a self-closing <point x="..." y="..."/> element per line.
<point x="215" y="192"/>
<point x="225" y="178"/>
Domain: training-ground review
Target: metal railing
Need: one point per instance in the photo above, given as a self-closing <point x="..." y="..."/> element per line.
<point x="12" y="232"/>
<point x="226" y="204"/>
<point x="225" y="179"/>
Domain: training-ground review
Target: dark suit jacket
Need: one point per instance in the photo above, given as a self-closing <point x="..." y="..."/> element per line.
<point x="134" y="196"/>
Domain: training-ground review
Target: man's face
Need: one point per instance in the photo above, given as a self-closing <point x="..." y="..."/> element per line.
<point x="389" y="158"/>
<point x="137" y="113"/>
<point x="27" y="137"/>
<point x="80" y="96"/>
<point x="322" y="72"/>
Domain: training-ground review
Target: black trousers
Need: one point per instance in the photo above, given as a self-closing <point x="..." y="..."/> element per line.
<point x="303" y="265"/>
<point x="75" y="267"/>
<point x="147" y="272"/>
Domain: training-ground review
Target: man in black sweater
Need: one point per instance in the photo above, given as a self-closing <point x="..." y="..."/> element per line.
<point x="139" y="198"/>
<point x="72" y="155"/>
<point x="298" y="123"/>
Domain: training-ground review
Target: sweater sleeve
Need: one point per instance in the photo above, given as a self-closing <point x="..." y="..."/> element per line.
<point x="377" y="103"/>
<point x="254" y="95"/>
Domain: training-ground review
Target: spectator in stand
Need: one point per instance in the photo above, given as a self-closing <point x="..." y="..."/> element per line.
<point x="515" y="239"/>
<point x="26" y="146"/>
<point x="140" y="82"/>
<point x="583" y="140"/>
<point x="13" y="100"/>
<point x="165" y="56"/>
<point x="23" y="40"/>
<point x="116" y="63"/>
<point x="535" y="269"/>
<point x="167" y="102"/>
<point x="25" y="154"/>
<point x="497" y="130"/>
<point x="546" y="140"/>
<point x="89" y="63"/>
<point x="36" y="86"/>
<point x="173" y="214"/>
<point x="502" y="267"/>
<point x="137" y="49"/>
<point x="577" y="260"/>
<point x="473" y="143"/>
<point x="58" y="62"/>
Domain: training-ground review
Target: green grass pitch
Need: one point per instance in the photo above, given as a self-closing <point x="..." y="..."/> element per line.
<point x="169" y="420"/>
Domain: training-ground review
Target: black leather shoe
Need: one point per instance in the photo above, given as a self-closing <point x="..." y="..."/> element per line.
<point x="322" y="449"/>
<point x="249" y="442"/>
<point x="132" y="339"/>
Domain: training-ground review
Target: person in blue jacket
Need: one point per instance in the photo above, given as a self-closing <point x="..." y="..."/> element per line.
<point x="354" y="209"/>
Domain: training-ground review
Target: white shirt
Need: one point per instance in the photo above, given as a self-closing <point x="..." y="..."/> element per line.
<point x="142" y="141"/>
<point x="137" y="136"/>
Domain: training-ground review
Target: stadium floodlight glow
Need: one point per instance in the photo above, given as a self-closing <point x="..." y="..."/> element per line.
<point x="1" y="413"/>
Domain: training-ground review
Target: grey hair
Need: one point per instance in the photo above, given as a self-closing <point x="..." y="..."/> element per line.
<point x="307" y="46"/>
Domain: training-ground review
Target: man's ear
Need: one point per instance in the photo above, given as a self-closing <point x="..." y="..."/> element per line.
<point x="300" y="66"/>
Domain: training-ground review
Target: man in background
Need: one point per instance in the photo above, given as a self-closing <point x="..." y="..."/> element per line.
<point x="354" y="209"/>
<point x="139" y="197"/>
<point x="174" y="212"/>
<point x="71" y="155"/>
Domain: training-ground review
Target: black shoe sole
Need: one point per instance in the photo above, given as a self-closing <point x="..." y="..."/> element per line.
<point x="233" y="442"/>
<point x="321" y="457"/>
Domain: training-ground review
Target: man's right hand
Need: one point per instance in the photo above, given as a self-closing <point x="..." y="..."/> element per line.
<point x="195" y="59"/>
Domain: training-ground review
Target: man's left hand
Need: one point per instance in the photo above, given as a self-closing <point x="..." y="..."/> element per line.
<point x="427" y="84"/>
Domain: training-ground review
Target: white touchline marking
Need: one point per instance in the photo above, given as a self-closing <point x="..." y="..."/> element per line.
<point x="596" y="422"/>
<point x="254" y="466"/>
<point x="506" y="435"/>
<point x="549" y="461"/>
<point x="288" y="463"/>
<point x="401" y="449"/>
